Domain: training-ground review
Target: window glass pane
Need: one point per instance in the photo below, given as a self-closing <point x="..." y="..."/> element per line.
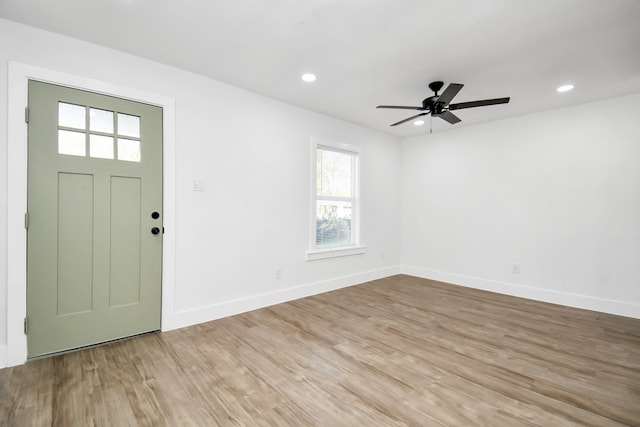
<point x="333" y="223"/>
<point x="70" y="115"/>
<point x="100" y="120"/>
<point x="333" y="173"/>
<point x="129" y="150"/>
<point x="128" y="125"/>
<point x="101" y="146"/>
<point x="71" y="143"/>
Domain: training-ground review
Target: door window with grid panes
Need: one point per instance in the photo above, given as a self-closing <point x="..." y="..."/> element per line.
<point x="90" y="132"/>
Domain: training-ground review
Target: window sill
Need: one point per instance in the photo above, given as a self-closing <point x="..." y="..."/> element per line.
<point x="335" y="252"/>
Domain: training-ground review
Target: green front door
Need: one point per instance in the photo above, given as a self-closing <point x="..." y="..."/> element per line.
<point x="94" y="218"/>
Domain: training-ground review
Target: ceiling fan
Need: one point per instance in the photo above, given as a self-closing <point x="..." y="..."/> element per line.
<point x="439" y="105"/>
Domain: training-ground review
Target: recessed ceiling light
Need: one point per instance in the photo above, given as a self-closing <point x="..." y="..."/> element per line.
<point x="309" y="77"/>
<point x="418" y="122"/>
<point x="565" y="88"/>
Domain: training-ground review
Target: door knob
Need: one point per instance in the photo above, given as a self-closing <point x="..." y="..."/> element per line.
<point x="155" y="215"/>
<point x="155" y="230"/>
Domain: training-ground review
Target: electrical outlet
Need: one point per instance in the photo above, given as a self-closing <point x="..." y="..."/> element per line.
<point x="515" y="269"/>
<point x="279" y="273"/>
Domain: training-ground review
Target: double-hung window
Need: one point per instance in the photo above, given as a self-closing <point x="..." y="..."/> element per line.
<point x="335" y="221"/>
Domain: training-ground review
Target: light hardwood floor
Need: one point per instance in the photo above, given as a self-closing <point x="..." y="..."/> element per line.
<point x="392" y="352"/>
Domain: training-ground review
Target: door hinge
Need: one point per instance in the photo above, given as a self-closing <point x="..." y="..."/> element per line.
<point x="26" y="220"/>
<point x="26" y="115"/>
<point x="26" y="325"/>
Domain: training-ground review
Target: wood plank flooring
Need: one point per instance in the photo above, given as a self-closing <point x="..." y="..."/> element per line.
<point x="399" y="351"/>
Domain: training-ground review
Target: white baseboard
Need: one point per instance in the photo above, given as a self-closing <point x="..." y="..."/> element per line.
<point x="229" y="308"/>
<point x="620" y="308"/>
<point x="3" y="356"/>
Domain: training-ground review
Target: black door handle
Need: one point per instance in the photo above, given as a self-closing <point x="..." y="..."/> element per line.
<point x="155" y="230"/>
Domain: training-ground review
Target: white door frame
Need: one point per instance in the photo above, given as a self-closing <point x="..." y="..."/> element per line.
<point x="18" y="77"/>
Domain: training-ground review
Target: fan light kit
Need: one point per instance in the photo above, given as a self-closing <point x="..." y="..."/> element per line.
<point x="439" y="105"/>
<point x="565" y="88"/>
<point x="418" y="122"/>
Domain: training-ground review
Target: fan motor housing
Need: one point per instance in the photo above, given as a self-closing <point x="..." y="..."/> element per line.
<point x="437" y="108"/>
<point x="429" y="102"/>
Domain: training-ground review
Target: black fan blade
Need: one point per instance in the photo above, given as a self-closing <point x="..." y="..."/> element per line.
<point x="410" y="118"/>
<point x="400" y="107"/>
<point x="449" y="93"/>
<point x="449" y="117"/>
<point x="480" y="103"/>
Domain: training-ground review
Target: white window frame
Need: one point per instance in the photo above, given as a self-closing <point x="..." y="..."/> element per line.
<point x="355" y="247"/>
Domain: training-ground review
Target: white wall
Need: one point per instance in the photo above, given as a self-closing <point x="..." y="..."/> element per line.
<point x="557" y="193"/>
<point x="253" y="155"/>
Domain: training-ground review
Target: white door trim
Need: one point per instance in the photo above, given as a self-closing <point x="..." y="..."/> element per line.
<point x="18" y="77"/>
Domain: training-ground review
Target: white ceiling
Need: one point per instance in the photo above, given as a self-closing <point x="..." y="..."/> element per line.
<point x="371" y="52"/>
